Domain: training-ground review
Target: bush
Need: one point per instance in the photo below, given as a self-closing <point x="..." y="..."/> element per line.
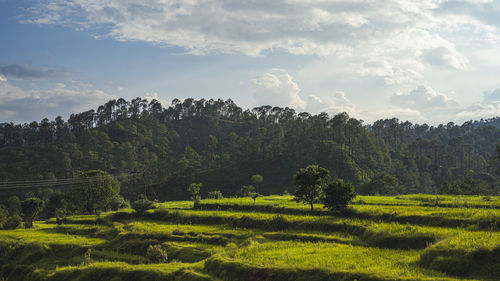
<point x="278" y="222"/>
<point x="31" y="207"/>
<point x="246" y="189"/>
<point x="118" y="202"/>
<point x="13" y="222"/>
<point x="337" y="195"/>
<point x="142" y="205"/>
<point x="87" y="259"/>
<point x="381" y="184"/>
<point x="4" y="216"/>
<point x="215" y="194"/>
<point x="194" y="191"/>
<point x="157" y="254"/>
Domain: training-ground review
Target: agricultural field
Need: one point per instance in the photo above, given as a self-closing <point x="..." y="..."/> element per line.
<point x="409" y="237"/>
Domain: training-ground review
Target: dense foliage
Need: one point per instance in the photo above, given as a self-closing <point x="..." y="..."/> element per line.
<point x="337" y="195"/>
<point x="159" y="151"/>
<point x="310" y="182"/>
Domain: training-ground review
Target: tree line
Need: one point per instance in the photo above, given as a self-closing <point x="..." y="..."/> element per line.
<point x="220" y="144"/>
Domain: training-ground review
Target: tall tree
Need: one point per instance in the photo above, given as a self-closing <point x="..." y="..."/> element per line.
<point x="310" y="182"/>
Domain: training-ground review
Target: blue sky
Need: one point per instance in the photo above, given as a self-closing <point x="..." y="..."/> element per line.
<point x="430" y="61"/>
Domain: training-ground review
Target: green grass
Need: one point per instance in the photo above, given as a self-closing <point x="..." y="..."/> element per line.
<point x="383" y="263"/>
<point x="43" y="233"/>
<point x="383" y="238"/>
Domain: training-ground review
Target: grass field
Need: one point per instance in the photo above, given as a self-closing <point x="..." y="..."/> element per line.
<point x="408" y="237"/>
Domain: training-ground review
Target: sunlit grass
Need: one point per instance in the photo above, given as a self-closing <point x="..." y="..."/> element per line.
<point x="40" y="234"/>
<point x="150" y="226"/>
<point x="335" y="257"/>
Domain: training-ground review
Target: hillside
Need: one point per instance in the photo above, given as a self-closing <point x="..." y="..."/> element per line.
<point x="220" y="144"/>
<point x="277" y="239"/>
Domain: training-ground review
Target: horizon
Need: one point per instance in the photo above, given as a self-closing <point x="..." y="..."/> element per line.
<point x="330" y="115"/>
<point x="430" y="62"/>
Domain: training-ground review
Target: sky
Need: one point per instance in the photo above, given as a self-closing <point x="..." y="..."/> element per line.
<point x="425" y="61"/>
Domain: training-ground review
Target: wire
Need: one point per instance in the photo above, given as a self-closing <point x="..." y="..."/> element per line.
<point x="57" y="182"/>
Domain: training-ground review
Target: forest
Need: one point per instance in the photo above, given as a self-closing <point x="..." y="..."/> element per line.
<point x="157" y="151"/>
<point x="273" y="195"/>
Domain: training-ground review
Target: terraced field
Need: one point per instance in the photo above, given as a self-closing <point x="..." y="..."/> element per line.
<point x="413" y="237"/>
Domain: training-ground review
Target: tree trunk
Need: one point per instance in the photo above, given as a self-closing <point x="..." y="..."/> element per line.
<point x="312" y="207"/>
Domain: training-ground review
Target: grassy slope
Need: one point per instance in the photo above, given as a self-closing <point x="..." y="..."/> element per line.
<point x="261" y="245"/>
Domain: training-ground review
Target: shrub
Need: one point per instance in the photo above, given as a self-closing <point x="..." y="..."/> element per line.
<point x="194" y="191"/>
<point x="3" y="216"/>
<point x="337" y="195"/>
<point x="157" y="254"/>
<point x="31" y="207"/>
<point x="87" y="260"/>
<point x="142" y="205"/>
<point x="246" y="190"/>
<point x="13" y="222"/>
<point x="118" y="202"/>
<point x="14" y="206"/>
<point x="215" y="194"/>
<point x="278" y="222"/>
<point x="381" y="184"/>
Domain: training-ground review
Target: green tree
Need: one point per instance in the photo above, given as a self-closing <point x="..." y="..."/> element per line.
<point x="495" y="160"/>
<point x="96" y="192"/>
<point x="309" y="183"/>
<point x="142" y="205"/>
<point x="257" y="180"/>
<point x="56" y="204"/>
<point x="246" y="190"/>
<point x="216" y="194"/>
<point x="337" y="195"/>
<point x="14" y="206"/>
<point x="4" y="216"/>
<point x="381" y="184"/>
<point x="194" y="192"/>
<point x="254" y="195"/>
<point x="31" y="207"/>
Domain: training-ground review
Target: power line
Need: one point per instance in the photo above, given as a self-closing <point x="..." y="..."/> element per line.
<point x="57" y="182"/>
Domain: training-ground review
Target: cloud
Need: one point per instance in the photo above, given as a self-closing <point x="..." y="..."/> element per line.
<point x="445" y="57"/>
<point x="252" y="27"/>
<point x="155" y="96"/>
<point x="425" y="104"/>
<point x="24" y="71"/>
<point x="2" y="78"/>
<point x="423" y="98"/>
<point x="19" y="105"/>
<point x="493" y="96"/>
<point x="334" y="104"/>
<point x="277" y="88"/>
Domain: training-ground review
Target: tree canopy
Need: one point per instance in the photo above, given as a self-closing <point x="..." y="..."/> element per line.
<point x="96" y="191"/>
<point x="218" y="143"/>
<point x="310" y="182"/>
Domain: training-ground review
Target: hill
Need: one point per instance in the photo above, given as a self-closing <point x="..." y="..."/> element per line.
<point x="220" y="144"/>
<point x="277" y="239"/>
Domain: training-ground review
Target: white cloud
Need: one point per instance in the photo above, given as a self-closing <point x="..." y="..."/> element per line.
<point x="425" y="104"/>
<point x="423" y="98"/>
<point x="277" y="88"/>
<point x="155" y="96"/>
<point x="2" y="78"/>
<point x="493" y="96"/>
<point x="384" y="46"/>
<point x="19" y="105"/>
<point x="254" y="27"/>
<point x="335" y="104"/>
